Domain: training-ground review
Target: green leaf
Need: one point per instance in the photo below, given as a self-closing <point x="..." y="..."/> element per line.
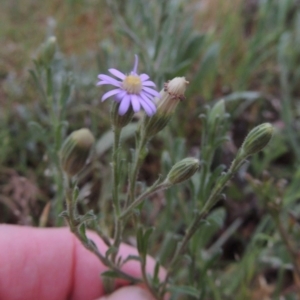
<point x="65" y="91"/>
<point x="208" y="229"/>
<point x="82" y="231"/>
<point x="106" y="141"/>
<point x="217" y="216"/>
<point x="187" y="290"/>
<point x="147" y="235"/>
<point x="75" y="194"/>
<point x="142" y="240"/>
<point x="110" y="274"/>
<point x="194" y="47"/>
<point x="39" y="131"/>
<point x="89" y="216"/>
<point x="37" y="83"/>
<point x="132" y="257"/>
<point x="238" y="102"/>
<point x="111" y="250"/>
<point x="139" y="239"/>
<point x="207" y="69"/>
<point x="64" y="214"/>
<point x="155" y="279"/>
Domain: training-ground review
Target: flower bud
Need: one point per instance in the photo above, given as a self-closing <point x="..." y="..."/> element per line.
<point x="75" y="151"/>
<point x="120" y="121"/>
<point x="183" y="170"/>
<point x="47" y="51"/>
<point x="216" y="113"/>
<point x="257" y="139"/>
<point x="166" y="104"/>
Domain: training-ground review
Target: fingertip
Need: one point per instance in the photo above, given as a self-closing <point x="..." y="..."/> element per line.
<point x="35" y="263"/>
<point x="129" y="292"/>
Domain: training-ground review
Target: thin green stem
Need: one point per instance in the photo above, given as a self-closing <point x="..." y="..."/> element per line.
<point x="102" y="235"/>
<point x="59" y="192"/>
<point x="74" y="224"/>
<point x="138" y="159"/>
<point x="146" y="280"/>
<point x="115" y="164"/>
<point x="129" y="210"/>
<point x="56" y="137"/>
<point x="212" y="200"/>
<point x="115" y="192"/>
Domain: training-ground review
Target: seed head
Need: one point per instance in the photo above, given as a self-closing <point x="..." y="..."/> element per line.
<point x="166" y="104"/>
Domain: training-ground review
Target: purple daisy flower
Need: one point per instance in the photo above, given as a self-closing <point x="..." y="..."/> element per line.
<point x="133" y="89"/>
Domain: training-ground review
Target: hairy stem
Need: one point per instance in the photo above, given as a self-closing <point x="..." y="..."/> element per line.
<point x="211" y="201"/>
<point x="115" y="193"/>
<point x="74" y="224"/>
<point x="139" y="156"/>
<point x="129" y="210"/>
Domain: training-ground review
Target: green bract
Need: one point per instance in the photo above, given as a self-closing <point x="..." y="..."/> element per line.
<point x="76" y="150"/>
<point x="257" y="139"/>
<point x="183" y="170"/>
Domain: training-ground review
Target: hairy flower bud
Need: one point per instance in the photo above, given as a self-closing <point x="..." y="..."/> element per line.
<point x="75" y="151"/>
<point x="183" y="170"/>
<point x="166" y="104"/>
<point x="257" y="139"/>
<point x="47" y="51"/>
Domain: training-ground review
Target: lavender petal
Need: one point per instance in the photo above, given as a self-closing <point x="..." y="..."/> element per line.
<point x="135" y="103"/>
<point x="109" y="79"/>
<point x="148" y="83"/>
<point x="136" y="62"/>
<point x="148" y="102"/>
<point x="125" y="103"/>
<point x="117" y="73"/>
<point x="120" y="96"/>
<point x="144" y="77"/>
<point x="151" y="91"/>
<point x="102" y="83"/>
<point x="148" y="109"/>
<point x="110" y="93"/>
<point x="146" y="96"/>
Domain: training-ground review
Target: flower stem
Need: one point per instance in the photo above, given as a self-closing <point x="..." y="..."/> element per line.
<point x="146" y="281"/>
<point x="74" y="224"/>
<point x="115" y="163"/>
<point x="212" y="200"/>
<point x="115" y="193"/>
<point x="138" y="159"/>
<point x="55" y="120"/>
<point x="153" y="189"/>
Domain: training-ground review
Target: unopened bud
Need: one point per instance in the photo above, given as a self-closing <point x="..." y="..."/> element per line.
<point x="183" y="170"/>
<point x="47" y="51"/>
<point x="76" y="150"/>
<point x="166" y="104"/>
<point x="120" y="121"/>
<point x="216" y="113"/>
<point x="257" y="139"/>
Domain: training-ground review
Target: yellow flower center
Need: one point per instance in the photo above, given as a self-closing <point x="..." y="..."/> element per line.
<point x="132" y="84"/>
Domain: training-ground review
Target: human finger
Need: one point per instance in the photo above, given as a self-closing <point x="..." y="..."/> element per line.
<point x="52" y="264"/>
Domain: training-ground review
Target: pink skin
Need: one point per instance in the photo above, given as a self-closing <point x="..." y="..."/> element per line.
<point x="52" y="264"/>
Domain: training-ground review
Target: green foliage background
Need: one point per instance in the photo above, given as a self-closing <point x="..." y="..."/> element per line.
<point x="245" y="52"/>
